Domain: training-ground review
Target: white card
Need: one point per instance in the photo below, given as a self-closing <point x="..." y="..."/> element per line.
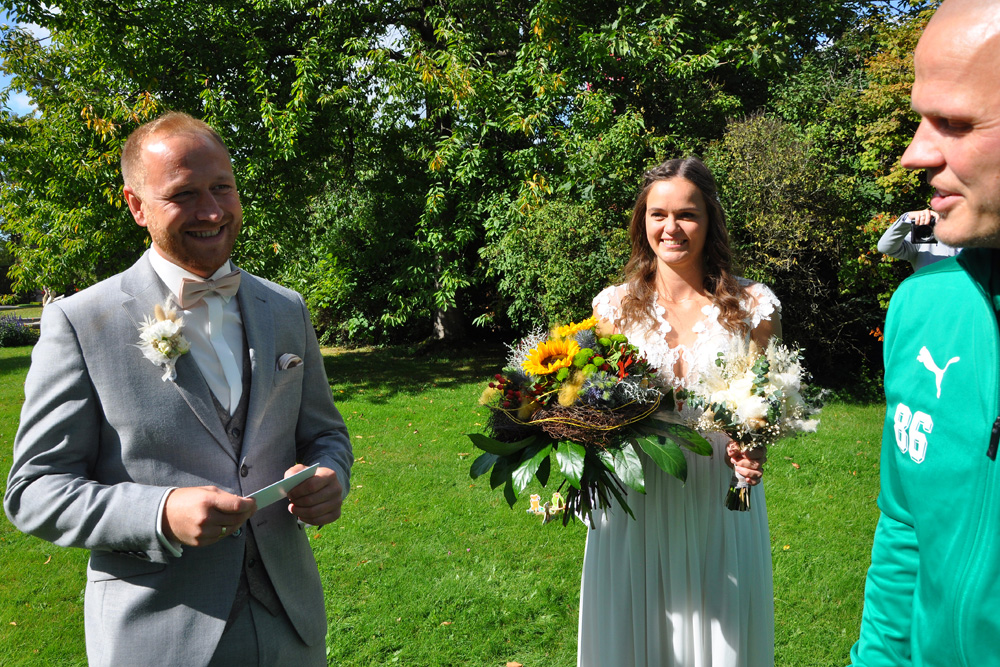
<point x="278" y="490"/>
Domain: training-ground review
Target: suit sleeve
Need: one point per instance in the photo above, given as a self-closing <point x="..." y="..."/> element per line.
<point x="894" y="242"/>
<point x="51" y="491"/>
<point x="320" y="434"/>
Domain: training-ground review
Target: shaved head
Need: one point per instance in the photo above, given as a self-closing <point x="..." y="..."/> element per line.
<point x="957" y="143"/>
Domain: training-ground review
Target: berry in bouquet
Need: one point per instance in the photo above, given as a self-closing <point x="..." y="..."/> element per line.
<point x="754" y="396"/>
<point x="586" y="399"/>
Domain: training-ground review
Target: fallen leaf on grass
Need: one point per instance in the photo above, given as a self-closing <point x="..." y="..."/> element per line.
<point x="786" y="547"/>
<point x="514" y="664"/>
<point x="796" y="466"/>
<point x="462" y="455"/>
<point x="47" y="560"/>
<point x="446" y="623"/>
<point x="13" y="623"/>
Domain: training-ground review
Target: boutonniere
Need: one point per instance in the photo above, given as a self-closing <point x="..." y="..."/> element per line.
<point x="162" y="341"/>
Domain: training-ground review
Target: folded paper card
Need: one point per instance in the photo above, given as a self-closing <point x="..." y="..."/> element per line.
<point x="278" y="490"/>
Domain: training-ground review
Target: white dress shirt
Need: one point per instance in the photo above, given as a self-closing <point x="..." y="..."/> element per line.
<point x="198" y="331"/>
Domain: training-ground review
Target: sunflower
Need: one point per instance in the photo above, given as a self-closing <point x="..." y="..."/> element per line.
<point x="551" y="355"/>
<point x="570" y="329"/>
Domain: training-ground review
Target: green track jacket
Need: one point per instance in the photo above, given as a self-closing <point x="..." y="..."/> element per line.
<point x="932" y="597"/>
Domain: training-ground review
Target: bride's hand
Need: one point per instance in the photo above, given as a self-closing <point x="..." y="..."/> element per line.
<point x="748" y="464"/>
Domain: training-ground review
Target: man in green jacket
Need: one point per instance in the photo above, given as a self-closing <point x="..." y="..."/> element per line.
<point x="933" y="589"/>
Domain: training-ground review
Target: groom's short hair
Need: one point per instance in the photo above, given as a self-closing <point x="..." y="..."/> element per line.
<point x="170" y="123"/>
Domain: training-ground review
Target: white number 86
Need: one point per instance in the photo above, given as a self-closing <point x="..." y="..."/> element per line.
<point x="912" y="429"/>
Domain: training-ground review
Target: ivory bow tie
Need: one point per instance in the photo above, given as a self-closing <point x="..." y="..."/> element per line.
<point x="193" y="291"/>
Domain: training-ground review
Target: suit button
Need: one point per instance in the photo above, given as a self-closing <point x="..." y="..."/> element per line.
<point x="236" y="432"/>
<point x="244" y="470"/>
<point x="251" y="562"/>
<point x="237" y="532"/>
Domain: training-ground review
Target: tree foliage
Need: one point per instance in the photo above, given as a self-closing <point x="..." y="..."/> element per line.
<point x="411" y="165"/>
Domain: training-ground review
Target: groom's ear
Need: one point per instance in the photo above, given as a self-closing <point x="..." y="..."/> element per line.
<point x="134" y="202"/>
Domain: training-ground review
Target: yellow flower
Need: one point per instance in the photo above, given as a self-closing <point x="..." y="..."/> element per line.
<point x="570" y="329"/>
<point x="551" y="355"/>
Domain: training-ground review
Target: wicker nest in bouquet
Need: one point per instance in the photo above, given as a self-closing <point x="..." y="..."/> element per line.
<point x="582" y="424"/>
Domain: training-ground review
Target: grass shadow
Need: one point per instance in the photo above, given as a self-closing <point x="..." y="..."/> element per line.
<point x="381" y="374"/>
<point x="14" y="359"/>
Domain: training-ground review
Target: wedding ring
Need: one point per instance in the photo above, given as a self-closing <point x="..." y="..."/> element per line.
<point x="224" y="531"/>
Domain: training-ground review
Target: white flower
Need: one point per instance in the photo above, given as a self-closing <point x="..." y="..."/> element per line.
<point x="752" y="408"/>
<point x="162" y="341"/>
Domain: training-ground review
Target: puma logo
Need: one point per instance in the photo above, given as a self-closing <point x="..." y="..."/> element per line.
<point x="928" y="361"/>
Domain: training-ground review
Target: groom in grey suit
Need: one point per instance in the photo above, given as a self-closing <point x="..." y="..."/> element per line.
<point x="150" y="469"/>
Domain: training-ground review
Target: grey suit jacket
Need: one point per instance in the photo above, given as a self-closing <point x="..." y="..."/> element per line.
<point x="102" y="438"/>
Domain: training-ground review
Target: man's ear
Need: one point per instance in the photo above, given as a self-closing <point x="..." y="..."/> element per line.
<point x="134" y="205"/>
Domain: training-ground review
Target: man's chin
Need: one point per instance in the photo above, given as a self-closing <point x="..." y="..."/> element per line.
<point x="959" y="232"/>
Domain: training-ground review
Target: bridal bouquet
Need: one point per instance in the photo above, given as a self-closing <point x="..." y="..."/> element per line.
<point x="754" y="396"/>
<point x="587" y="400"/>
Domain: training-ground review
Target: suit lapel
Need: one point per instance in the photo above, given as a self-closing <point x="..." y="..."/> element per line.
<point x="258" y="325"/>
<point x="145" y="289"/>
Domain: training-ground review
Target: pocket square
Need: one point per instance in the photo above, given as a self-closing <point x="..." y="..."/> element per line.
<point x="288" y="360"/>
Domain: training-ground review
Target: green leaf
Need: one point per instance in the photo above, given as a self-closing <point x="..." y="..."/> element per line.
<point x="510" y="494"/>
<point x="482" y="464"/>
<point x="665" y="454"/>
<point x="570" y="457"/>
<point x="628" y="467"/>
<point x="689" y="438"/>
<point x="684" y="436"/>
<point x="607" y="458"/>
<point x="499" y="448"/>
<point x="503" y="469"/>
<point x="544" y="470"/>
<point x="529" y="466"/>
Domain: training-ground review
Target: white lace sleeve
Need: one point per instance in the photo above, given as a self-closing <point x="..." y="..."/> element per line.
<point x="761" y="302"/>
<point x="608" y="304"/>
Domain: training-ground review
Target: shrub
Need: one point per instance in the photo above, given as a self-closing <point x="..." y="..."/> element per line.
<point x="552" y="265"/>
<point x="793" y="227"/>
<point x="15" y="332"/>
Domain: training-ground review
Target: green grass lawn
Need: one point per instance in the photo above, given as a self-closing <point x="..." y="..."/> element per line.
<point x="26" y="311"/>
<point x="427" y="567"/>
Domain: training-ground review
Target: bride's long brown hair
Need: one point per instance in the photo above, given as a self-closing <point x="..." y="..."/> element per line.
<point x="640" y="272"/>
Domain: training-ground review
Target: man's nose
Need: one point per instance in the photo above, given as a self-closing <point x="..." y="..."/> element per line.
<point x="922" y="153"/>
<point x="207" y="207"/>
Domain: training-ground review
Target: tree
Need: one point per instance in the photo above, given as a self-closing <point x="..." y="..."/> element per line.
<point x="388" y="150"/>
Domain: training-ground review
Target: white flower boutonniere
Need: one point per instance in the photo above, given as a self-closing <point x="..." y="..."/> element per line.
<point x="161" y="340"/>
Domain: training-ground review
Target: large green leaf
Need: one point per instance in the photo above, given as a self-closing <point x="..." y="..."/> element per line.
<point x="529" y="466"/>
<point x="503" y="469"/>
<point x="628" y="467"/>
<point x="499" y="448"/>
<point x="570" y="457"/>
<point x="509" y="493"/>
<point x="665" y="454"/>
<point x="482" y="464"/>
<point x="544" y="471"/>
<point x="607" y="458"/>
<point x="685" y="436"/>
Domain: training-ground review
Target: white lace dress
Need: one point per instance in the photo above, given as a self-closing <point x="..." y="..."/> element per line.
<point x="688" y="582"/>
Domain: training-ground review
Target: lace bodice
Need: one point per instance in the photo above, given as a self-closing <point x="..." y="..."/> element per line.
<point x="711" y="338"/>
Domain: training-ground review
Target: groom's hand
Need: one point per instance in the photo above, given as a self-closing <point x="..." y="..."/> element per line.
<point x="317" y="500"/>
<point x="200" y="515"/>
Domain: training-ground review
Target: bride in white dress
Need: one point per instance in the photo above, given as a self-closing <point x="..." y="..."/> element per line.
<point x="688" y="582"/>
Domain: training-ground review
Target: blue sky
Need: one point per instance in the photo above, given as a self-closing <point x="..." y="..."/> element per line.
<point x="18" y="101"/>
